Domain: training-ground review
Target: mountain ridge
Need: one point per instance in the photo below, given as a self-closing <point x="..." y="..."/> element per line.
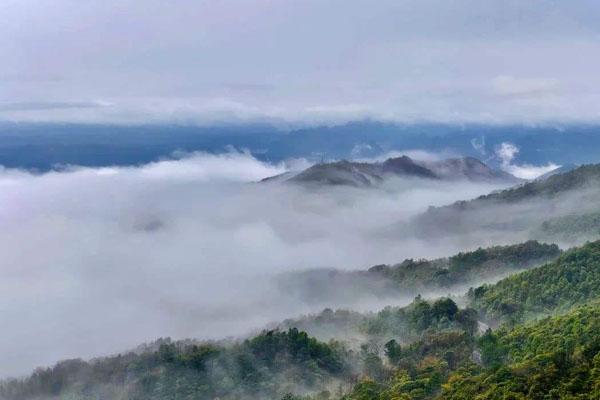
<point x="368" y="174"/>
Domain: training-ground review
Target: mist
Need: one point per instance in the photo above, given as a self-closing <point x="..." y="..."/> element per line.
<point x="97" y="261"/>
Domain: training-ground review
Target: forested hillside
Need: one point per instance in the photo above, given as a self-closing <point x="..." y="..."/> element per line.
<point x="467" y="267"/>
<point x="429" y="349"/>
<point x="572" y="279"/>
<point x="586" y="175"/>
<point x="413" y="277"/>
<point x="556" y="358"/>
<point x="265" y="366"/>
<point x="563" y="207"/>
<point x="571" y="227"/>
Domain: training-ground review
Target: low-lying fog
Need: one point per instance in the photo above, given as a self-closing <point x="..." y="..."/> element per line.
<point x="96" y="261"/>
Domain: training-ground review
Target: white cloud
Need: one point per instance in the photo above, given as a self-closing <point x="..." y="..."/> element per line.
<point x="507" y="152"/>
<point x="201" y="62"/>
<point x="511" y="86"/>
<point x="98" y="260"/>
<point x="415" y="154"/>
<point x="479" y="145"/>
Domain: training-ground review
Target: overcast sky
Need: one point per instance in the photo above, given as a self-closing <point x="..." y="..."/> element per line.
<point x="303" y="61"/>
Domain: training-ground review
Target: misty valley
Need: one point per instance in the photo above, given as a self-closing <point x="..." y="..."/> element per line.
<point x="390" y="278"/>
<point x="299" y="200"/>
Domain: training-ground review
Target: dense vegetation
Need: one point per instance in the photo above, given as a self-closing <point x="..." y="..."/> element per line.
<point x="546" y="346"/>
<point x="467" y="268"/>
<point x="405" y="324"/>
<point x="578" y="178"/>
<point x="572" y="227"/>
<point x="410" y="278"/>
<point x="556" y="358"/>
<point x="574" y="278"/>
<point x="265" y="366"/>
<point x="555" y="209"/>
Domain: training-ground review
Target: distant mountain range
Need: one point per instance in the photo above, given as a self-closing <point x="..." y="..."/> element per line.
<point x="44" y="146"/>
<point x="364" y="174"/>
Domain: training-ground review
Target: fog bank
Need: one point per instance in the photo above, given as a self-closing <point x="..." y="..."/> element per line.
<point x="99" y="260"/>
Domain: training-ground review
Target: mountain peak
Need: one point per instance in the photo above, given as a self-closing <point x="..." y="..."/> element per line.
<point x="364" y="174"/>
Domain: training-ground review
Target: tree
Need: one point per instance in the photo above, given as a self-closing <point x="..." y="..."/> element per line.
<point x="444" y="308"/>
<point x="393" y="351"/>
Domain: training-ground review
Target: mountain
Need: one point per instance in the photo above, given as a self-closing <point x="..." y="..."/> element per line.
<point x="528" y="211"/>
<point x="413" y="277"/>
<point x="570" y="227"/>
<point x="560" y="170"/>
<point x="428" y="350"/>
<point x="572" y="279"/>
<point x="42" y="146"/>
<point x="363" y="174"/>
<point x="578" y="178"/>
<point x="263" y="367"/>
<point x="468" y="168"/>
<point x="555" y="358"/>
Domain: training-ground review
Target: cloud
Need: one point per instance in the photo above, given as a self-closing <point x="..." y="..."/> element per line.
<point x="511" y="86"/>
<point x="507" y="152"/>
<point x="49" y="105"/>
<point x="415" y="154"/>
<point x="479" y="145"/>
<point x="98" y="260"/>
<point x="464" y="61"/>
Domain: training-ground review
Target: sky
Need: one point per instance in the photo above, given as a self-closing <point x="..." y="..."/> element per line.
<point x="305" y="62"/>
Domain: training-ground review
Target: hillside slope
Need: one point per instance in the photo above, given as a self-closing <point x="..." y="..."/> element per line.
<point x="338" y="288"/>
<point x="572" y="279"/>
<point x="263" y="367"/>
<point x="520" y="211"/>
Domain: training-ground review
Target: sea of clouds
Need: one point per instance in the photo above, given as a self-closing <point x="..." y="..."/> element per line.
<point x="98" y="260"/>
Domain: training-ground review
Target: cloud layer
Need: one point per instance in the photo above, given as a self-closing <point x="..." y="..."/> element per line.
<point x="301" y="62"/>
<point x="98" y="260"/>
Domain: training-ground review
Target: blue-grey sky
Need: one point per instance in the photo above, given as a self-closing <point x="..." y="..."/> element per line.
<point x="129" y="61"/>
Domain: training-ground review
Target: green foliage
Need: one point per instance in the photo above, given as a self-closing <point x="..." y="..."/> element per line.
<point x="441" y="355"/>
<point x="519" y="209"/>
<point x="492" y="354"/>
<point x="422" y="382"/>
<point x="393" y="351"/>
<point x="412" y="321"/>
<point x="580" y="177"/>
<point x="468" y="267"/>
<point x="444" y="308"/>
<point x="556" y="358"/>
<point x="571" y="227"/>
<point x="268" y="365"/>
<point x="574" y="278"/>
